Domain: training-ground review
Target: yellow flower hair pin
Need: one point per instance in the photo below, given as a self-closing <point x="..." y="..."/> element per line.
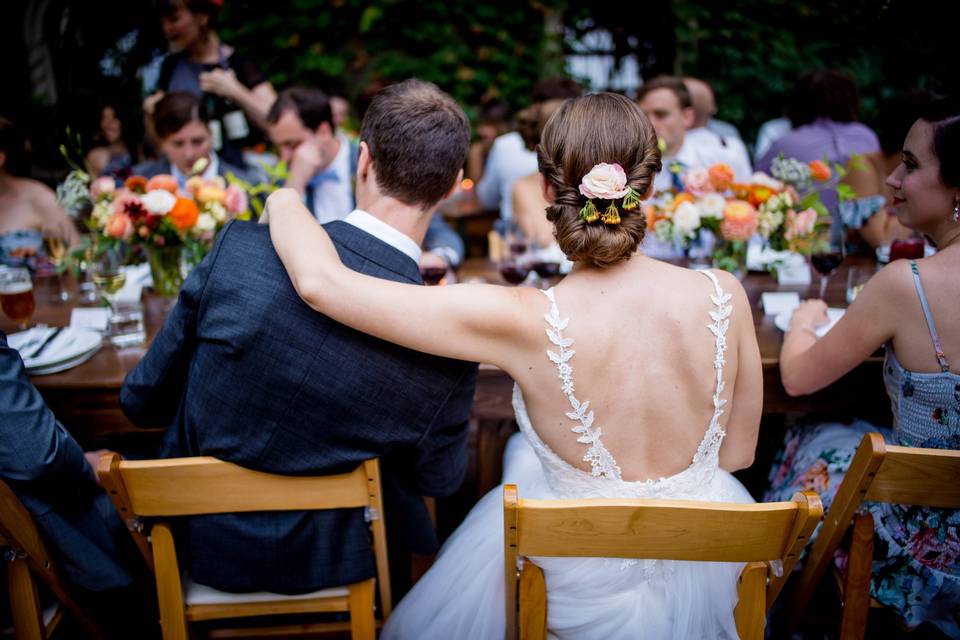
<point x="607" y="182"/>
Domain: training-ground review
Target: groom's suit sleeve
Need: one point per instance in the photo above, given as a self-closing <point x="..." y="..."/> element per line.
<point x="151" y="393"/>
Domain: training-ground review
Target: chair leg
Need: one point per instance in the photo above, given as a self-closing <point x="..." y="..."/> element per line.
<point x="750" y="614"/>
<point x="362" y="625"/>
<point x="173" y="617"/>
<point x="24" y="602"/>
<point x="533" y="603"/>
<point x="856" y="587"/>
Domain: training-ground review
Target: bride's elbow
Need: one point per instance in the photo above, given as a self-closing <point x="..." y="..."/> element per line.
<point x="311" y="290"/>
<point x="737" y="460"/>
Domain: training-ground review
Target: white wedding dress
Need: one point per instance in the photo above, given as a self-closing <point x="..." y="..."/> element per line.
<point x="462" y="596"/>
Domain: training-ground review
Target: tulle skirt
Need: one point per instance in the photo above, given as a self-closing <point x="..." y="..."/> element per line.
<point x="462" y="596"/>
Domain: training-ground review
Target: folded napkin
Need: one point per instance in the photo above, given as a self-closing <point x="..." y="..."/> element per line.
<point x="138" y="277"/>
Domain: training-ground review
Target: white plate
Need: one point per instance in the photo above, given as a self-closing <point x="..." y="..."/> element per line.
<point x="782" y="320"/>
<point x="63" y="366"/>
<point x="69" y="345"/>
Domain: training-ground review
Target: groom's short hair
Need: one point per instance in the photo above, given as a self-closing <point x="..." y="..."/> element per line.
<point x="418" y="138"/>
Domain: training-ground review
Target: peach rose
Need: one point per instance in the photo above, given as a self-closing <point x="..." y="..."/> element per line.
<point x="163" y="181"/>
<point x="184" y="214"/>
<point x="739" y="221"/>
<point x="209" y="193"/>
<point x="721" y="176"/>
<point x="193" y="184"/>
<point x="119" y="226"/>
<point x="235" y="199"/>
<point x="819" y="170"/>
<point x="799" y="224"/>
<point x="103" y="186"/>
<point x="697" y="182"/>
<point x="605" y="181"/>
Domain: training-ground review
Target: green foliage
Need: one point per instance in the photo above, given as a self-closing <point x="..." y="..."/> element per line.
<point x="475" y="51"/>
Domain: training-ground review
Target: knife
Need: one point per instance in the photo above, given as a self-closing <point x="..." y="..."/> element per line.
<point x="45" y="343"/>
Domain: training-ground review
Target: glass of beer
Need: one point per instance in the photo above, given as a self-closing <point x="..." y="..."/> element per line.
<point x="55" y="241"/>
<point x="16" y="295"/>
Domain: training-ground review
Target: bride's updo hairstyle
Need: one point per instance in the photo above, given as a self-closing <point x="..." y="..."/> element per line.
<point x="586" y="131"/>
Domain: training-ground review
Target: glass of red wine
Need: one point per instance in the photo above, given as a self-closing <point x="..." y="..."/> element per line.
<point x="910" y="248"/>
<point x="432" y="275"/>
<point x="514" y="271"/>
<point x="827" y="256"/>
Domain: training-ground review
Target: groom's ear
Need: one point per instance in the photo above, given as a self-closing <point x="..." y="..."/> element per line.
<point x="454" y="186"/>
<point x="364" y="162"/>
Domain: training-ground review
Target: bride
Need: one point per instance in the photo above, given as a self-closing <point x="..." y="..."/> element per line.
<point x="634" y="379"/>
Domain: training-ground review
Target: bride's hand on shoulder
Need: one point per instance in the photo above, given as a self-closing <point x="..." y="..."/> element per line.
<point x="277" y="201"/>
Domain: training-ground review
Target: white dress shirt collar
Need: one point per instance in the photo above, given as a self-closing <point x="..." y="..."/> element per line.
<point x="383" y="231"/>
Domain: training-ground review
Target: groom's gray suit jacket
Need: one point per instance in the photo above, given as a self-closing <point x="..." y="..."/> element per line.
<point x="245" y="371"/>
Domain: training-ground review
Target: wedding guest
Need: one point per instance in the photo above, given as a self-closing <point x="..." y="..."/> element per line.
<point x="912" y="308"/>
<point x="56" y="482"/>
<point x="868" y="217"/>
<point x="707" y="130"/>
<point x="182" y="129"/>
<point x="509" y="159"/>
<point x="667" y="102"/>
<point x="27" y="207"/>
<point x="495" y="120"/>
<point x="322" y="164"/>
<point x="529" y="204"/>
<point x="823" y="112"/>
<point x="115" y="148"/>
<point x="232" y="88"/>
<point x="243" y="370"/>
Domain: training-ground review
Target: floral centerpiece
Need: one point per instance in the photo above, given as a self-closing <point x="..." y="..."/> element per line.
<point x="173" y="228"/>
<point x="784" y="209"/>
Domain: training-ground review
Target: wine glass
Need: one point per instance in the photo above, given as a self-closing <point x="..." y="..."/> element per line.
<point x="827" y="255"/>
<point x="431" y="274"/>
<point x="16" y="295"/>
<point x="106" y="267"/>
<point x="514" y="271"/>
<point x="56" y="243"/>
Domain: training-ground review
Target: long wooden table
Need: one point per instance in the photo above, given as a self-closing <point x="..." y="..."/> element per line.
<point x="86" y="398"/>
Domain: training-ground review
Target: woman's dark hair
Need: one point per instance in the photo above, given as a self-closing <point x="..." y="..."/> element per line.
<point x="827" y="93"/>
<point x="175" y="110"/>
<point x="585" y="131"/>
<point x="944" y="116"/>
<point x="14" y="147"/>
<point x="897" y="116"/>
<point x="209" y="8"/>
<point x="131" y="127"/>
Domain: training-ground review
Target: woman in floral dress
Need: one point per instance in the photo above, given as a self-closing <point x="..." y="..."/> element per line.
<point x="913" y="309"/>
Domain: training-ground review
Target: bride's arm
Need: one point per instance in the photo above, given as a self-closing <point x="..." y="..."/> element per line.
<point x="482" y="323"/>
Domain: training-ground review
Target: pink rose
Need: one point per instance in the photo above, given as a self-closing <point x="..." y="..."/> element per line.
<point x="119" y="226"/>
<point x="605" y="181"/>
<point x="235" y="199"/>
<point x="101" y="187"/>
<point x="800" y="224"/>
<point x="697" y="183"/>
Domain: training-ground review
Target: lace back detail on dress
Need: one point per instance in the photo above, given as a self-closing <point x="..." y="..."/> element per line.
<point x="710" y="445"/>
<point x="601" y="462"/>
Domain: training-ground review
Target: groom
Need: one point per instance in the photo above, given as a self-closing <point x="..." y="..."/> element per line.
<point x="244" y="371"/>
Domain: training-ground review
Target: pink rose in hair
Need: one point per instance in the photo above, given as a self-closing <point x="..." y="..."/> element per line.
<point x="235" y="200"/>
<point x="605" y="181"/>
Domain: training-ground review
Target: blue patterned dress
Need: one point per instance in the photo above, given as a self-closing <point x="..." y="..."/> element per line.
<point x="916" y="566"/>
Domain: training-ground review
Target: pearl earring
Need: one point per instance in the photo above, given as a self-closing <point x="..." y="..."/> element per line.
<point x="956" y="210"/>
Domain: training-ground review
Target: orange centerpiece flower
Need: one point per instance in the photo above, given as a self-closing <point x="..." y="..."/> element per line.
<point x="184" y="214"/>
<point x="721" y="176"/>
<point x="739" y="221"/>
<point x="820" y="171"/>
<point x="164" y="182"/>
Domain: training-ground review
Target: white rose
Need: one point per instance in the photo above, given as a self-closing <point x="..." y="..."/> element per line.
<point x="605" y="181"/>
<point x="712" y="205"/>
<point x="217" y="210"/>
<point x="159" y="202"/>
<point x="205" y="222"/>
<point x="765" y="180"/>
<point x="686" y="219"/>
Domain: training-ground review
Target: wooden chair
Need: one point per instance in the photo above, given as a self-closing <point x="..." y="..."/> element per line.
<point x="757" y="534"/>
<point x="158" y="489"/>
<point x="877" y="473"/>
<point x="28" y="560"/>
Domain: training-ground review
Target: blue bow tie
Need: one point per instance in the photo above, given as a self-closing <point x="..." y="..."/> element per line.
<point x="324" y="176"/>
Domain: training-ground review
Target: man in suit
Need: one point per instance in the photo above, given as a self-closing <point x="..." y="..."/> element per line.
<point x="322" y="163"/>
<point x="56" y="482"/>
<point x="243" y="370"/>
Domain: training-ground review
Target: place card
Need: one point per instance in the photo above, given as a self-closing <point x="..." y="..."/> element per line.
<point x="95" y="318"/>
<point x="777" y="302"/>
